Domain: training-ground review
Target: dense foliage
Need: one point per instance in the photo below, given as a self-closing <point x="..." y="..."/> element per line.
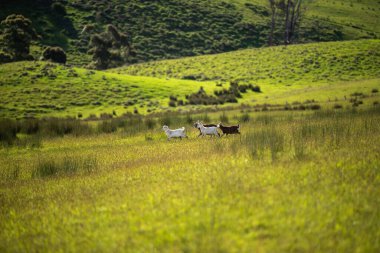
<point x="54" y="54"/>
<point x="109" y="49"/>
<point x="176" y="28"/>
<point x="17" y="33"/>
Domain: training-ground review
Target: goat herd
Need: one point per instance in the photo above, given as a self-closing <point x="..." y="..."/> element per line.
<point x="204" y="130"/>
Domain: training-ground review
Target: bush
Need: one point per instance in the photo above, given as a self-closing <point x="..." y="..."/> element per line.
<point x="172" y="103"/>
<point x="29" y="126"/>
<point x="105" y="116"/>
<point x="4" y="58"/>
<point x="59" y="8"/>
<point x="338" y="106"/>
<point x="256" y="88"/>
<point x="375" y="90"/>
<point x="107" y="127"/>
<point x="315" y="107"/>
<point x="54" y="54"/>
<point x="8" y="131"/>
<point x="60" y="127"/>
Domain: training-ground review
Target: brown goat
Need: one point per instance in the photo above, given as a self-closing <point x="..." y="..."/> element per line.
<point x="205" y="125"/>
<point x="229" y="129"/>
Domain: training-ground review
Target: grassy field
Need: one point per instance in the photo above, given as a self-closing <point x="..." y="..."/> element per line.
<point x="293" y="182"/>
<point x="281" y="65"/>
<point x="326" y="73"/>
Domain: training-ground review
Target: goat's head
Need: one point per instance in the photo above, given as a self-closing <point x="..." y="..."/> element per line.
<point x="197" y="124"/>
<point x="165" y="127"/>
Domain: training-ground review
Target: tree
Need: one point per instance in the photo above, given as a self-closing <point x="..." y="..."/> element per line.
<point x="285" y="17"/>
<point x="272" y="4"/>
<point x="54" y="54"/>
<point x="293" y="13"/>
<point x="109" y="49"/>
<point x="17" y="33"/>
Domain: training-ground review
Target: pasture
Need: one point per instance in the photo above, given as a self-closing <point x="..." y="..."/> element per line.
<point x="321" y="73"/>
<point x="294" y="181"/>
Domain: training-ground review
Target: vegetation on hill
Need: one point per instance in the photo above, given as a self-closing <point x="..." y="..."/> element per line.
<point x="281" y="65"/>
<point x="317" y="73"/>
<point x="176" y="28"/>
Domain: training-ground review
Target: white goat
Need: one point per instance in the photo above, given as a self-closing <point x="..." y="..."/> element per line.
<point x="177" y="133"/>
<point x="206" y="130"/>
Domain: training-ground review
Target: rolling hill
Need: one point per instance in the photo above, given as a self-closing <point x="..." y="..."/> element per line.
<point x="320" y="72"/>
<point x="175" y="28"/>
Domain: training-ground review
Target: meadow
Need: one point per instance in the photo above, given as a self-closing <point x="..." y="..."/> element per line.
<point x="320" y="73"/>
<point x="294" y="181"/>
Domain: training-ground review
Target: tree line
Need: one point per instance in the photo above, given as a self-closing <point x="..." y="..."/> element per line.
<point x="112" y="48"/>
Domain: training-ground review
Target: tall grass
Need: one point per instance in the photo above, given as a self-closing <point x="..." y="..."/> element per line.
<point x="68" y="165"/>
<point x="267" y="139"/>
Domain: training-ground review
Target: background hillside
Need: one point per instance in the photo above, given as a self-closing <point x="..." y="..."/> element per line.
<point x="319" y="72"/>
<point x="176" y="28"/>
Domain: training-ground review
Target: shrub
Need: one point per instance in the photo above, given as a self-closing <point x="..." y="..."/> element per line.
<point x="105" y="116"/>
<point x="8" y="131"/>
<point x="172" y="103"/>
<point x="59" y="8"/>
<point x="315" y="107"/>
<point x="255" y="88"/>
<point x="54" y="54"/>
<point x="107" y="127"/>
<point x="375" y="90"/>
<point x="60" y="127"/>
<point x="338" y="106"/>
<point x="29" y="126"/>
<point x="4" y="58"/>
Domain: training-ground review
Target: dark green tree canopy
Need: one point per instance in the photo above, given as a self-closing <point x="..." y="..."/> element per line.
<point x="110" y="48"/>
<point x="17" y="34"/>
<point x="54" y="54"/>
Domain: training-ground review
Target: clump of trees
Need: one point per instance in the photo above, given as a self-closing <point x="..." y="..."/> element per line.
<point x="285" y="20"/>
<point x="110" y="48"/>
<point x="54" y="54"/>
<point x="17" y="33"/>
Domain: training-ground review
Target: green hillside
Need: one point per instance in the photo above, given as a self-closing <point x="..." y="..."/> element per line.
<point x="320" y="72"/>
<point x="175" y="28"/>
<point x="40" y="88"/>
<point x="291" y="65"/>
